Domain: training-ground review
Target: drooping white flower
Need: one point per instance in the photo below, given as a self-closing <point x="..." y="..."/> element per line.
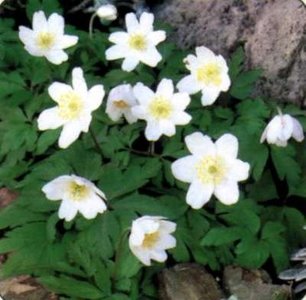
<point x="212" y="168"/>
<point x="138" y="44"/>
<point x="281" y="128"/>
<point x="107" y="12"/>
<point x="208" y="73"/>
<point x="120" y="101"/>
<point x="150" y="237"/>
<point x="77" y="194"/>
<point x="47" y="37"/>
<point x="162" y="110"/>
<point x="74" y="107"/>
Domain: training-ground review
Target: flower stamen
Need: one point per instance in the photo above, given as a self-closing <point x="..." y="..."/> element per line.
<point x="150" y="239"/>
<point x="78" y="192"/>
<point x="160" y="108"/>
<point x="138" y="42"/>
<point x="45" y="40"/>
<point x="209" y="74"/>
<point x="70" y="105"/>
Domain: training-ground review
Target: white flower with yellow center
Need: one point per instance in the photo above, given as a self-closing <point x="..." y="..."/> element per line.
<point x="162" y="110"/>
<point x="77" y="194"/>
<point x="74" y="107"/>
<point x="212" y="168"/>
<point x="120" y="101"/>
<point x="150" y="237"/>
<point x="47" y="37"/>
<point x="138" y="44"/>
<point x="209" y="74"/>
<point x="281" y="128"/>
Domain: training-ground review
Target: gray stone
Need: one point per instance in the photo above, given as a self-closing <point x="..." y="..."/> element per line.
<point x="273" y="32"/>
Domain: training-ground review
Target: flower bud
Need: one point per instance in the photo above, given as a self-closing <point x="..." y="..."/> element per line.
<point x="107" y="12"/>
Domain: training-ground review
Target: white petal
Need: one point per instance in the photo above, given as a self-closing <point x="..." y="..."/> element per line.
<point x="156" y="37"/>
<point x="297" y="132"/>
<point x="166" y="241"/>
<point x="67" y="211"/>
<point x="130" y="117"/>
<point x="26" y="35"/>
<point x="113" y="113"/>
<point x="115" y="52"/>
<point x="142" y="255"/>
<point x="167" y="226"/>
<point x="287" y="127"/>
<point x="67" y="41"/>
<point x="165" y="88"/>
<point x="143" y="94"/>
<point x="57" y="89"/>
<point x="56" y="56"/>
<point x="131" y="22"/>
<point x="119" y="37"/>
<point x="69" y="134"/>
<point x="84" y="122"/>
<point x="55" y="189"/>
<point x="50" y="119"/>
<point x="227" y="192"/>
<point x="95" y="97"/>
<point x="167" y="127"/>
<point x="189" y="85"/>
<point x="139" y="111"/>
<point x="146" y="21"/>
<point x="33" y="50"/>
<point x="181" y="101"/>
<point x="227" y="145"/>
<point x="199" y="194"/>
<point x="159" y="255"/>
<point x="226" y="83"/>
<point x="151" y="57"/>
<point x="78" y="81"/>
<point x="181" y="118"/>
<point x="153" y="131"/>
<point x="39" y="21"/>
<point x="203" y="52"/>
<point x="91" y="207"/>
<point x="129" y="63"/>
<point x="209" y="95"/>
<point x="199" y="144"/>
<point x="184" y="168"/>
<point x="56" y="24"/>
<point x="239" y="170"/>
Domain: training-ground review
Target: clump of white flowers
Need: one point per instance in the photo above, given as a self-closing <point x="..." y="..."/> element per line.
<point x="138" y="44"/>
<point x="120" y="101"/>
<point x="212" y="168"/>
<point x="208" y="74"/>
<point x="77" y="194"/>
<point x="162" y="110"/>
<point x="150" y="237"/>
<point x="74" y="107"/>
<point x="47" y="37"/>
<point x="281" y="128"/>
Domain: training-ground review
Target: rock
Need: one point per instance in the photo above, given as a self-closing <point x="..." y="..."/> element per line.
<point x="253" y="285"/>
<point x="188" y="282"/>
<point x="273" y="32"/>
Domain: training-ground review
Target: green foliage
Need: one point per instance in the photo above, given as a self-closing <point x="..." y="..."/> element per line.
<point x="91" y="259"/>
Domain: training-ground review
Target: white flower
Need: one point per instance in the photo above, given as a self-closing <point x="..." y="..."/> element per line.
<point x="77" y="194"/>
<point x="120" y="101"/>
<point x="162" y="110"/>
<point x="304" y="298"/>
<point x="74" y="107"/>
<point x="47" y="37"/>
<point x="212" y="168"/>
<point x="150" y="237"/>
<point x="209" y="74"/>
<point x="138" y="44"/>
<point x="107" y="12"/>
<point x="280" y="129"/>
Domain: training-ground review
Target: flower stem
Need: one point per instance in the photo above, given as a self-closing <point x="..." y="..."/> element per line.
<point x="93" y="136"/>
<point x="152" y="148"/>
<point x="91" y="24"/>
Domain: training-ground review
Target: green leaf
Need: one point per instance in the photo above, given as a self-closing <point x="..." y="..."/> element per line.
<point x="236" y="63"/>
<point x="71" y="287"/>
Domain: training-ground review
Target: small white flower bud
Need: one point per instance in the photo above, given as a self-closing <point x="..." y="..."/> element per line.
<point x="107" y="12"/>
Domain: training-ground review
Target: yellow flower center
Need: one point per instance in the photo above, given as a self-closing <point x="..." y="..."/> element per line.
<point x="150" y="239"/>
<point x="78" y="192"/>
<point x="138" y="42"/>
<point x="209" y="74"/>
<point x="211" y="169"/>
<point x="45" y="40"/>
<point x="160" y="108"/>
<point x="121" y="104"/>
<point x="70" y="105"/>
